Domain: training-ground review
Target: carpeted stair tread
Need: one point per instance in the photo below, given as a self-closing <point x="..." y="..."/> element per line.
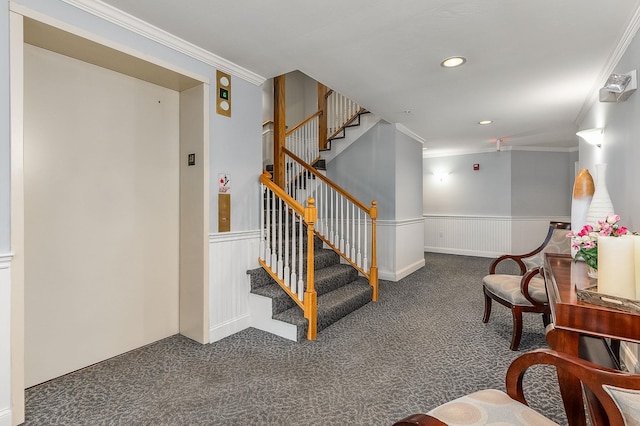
<point x="323" y="258"/>
<point x="326" y="280"/>
<point x="332" y="306"/>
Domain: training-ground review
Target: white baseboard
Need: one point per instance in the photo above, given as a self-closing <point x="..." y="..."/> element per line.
<point x="461" y="252"/>
<point x="398" y="275"/>
<point x="5" y="418"/>
<point x="228" y="328"/>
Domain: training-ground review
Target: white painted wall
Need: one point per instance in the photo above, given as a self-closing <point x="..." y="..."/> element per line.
<point x="101" y="214"/>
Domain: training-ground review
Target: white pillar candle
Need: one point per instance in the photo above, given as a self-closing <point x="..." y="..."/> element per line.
<point x="616" y="267"/>
<point x="636" y="258"/>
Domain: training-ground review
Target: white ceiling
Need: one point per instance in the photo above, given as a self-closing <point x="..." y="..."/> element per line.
<point x="532" y="65"/>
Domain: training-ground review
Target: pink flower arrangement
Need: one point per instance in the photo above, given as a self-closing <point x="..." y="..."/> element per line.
<point x="586" y="240"/>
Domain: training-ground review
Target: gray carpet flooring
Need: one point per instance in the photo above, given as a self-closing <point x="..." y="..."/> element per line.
<point x="422" y="344"/>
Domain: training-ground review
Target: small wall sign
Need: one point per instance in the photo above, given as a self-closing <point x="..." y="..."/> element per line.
<point x="224" y="183"/>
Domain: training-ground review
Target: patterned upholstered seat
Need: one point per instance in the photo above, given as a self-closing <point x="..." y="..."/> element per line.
<point x="524" y="292"/>
<point x="618" y="393"/>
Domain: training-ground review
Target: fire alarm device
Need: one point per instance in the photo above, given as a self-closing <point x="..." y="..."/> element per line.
<point x="476" y="166"/>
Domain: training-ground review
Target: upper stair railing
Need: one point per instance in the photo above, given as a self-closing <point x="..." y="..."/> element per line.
<point x="341" y="112"/>
<point x="302" y="140"/>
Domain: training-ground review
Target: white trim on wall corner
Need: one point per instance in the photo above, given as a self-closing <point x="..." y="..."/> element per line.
<point x="138" y="26"/>
<point x="5" y="260"/>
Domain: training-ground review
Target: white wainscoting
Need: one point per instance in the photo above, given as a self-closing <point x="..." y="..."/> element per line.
<point x="231" y="255"/>
<point x="5" y="339"/>
<point x="484" y="236"/>
<point x="399" y="248"/>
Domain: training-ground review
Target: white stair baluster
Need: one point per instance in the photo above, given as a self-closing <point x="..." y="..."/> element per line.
<point x="274" y="243"/>
<point x="261" y="249"/>
<point x="352" y="256"/>
<point x="301" y="254"/>
<point x="294" y="247"/>
<point x="267" y="224"/>
<point x="341" y="223"/>
<point x="286" y="271"/>
<point x="365" y="264"/>
<point x="359" y="256"/>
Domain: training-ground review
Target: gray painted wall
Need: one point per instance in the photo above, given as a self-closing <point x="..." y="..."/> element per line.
<point x="486" y="192"/>
<point x="407" y="175"/>
<point x="367" y="169"/>
<point x="541" y="183"/>
<point x="509" y="183"/>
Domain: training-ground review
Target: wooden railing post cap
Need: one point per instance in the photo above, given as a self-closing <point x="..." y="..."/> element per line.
<point x="373" y="212"/>
<point x="310" y="212"/>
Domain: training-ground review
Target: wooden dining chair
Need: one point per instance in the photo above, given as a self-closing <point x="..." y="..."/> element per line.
<point x="618" y="393"/>
<point x="524" y="291"/>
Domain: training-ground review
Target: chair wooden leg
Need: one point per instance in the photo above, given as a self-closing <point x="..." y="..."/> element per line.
<point x="487" y="308"/>
<point x="516" y="335"/>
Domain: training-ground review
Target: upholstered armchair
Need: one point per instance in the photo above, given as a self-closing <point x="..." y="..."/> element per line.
<point x="617" y="392"/>
<point x="524" y="291"/>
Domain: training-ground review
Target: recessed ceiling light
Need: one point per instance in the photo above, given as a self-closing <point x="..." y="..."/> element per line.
<point x="485" y="122"/>
<point x="454" y="61"/>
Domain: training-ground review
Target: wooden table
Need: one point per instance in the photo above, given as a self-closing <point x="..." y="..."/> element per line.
<point x="572" y="318"/>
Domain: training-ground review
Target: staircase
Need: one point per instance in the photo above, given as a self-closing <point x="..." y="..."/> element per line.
<point x="317" y="242"/>
<point x="340" y="291"/>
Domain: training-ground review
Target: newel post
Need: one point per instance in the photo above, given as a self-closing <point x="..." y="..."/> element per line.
<point x="322" y="120"/>
<point x="373" y="272"/>
<point x="310" y="295"/>
<point x="279" y="128"/>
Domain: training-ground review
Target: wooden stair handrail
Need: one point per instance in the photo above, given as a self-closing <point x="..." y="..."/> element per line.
<point x="302" y="123"/>
<point x="320" y="176"/>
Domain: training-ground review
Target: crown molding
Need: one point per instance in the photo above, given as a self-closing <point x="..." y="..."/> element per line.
<point x="621" y="48"/>
<point x="403" y="129"/>
<point x="151" y="32"/>
<point x="441" y="153"/>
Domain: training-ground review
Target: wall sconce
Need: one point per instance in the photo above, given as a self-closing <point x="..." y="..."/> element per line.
<point x="593" y="136"/>
<point x="441" y="175"/>
<point x="619" y="87"/>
